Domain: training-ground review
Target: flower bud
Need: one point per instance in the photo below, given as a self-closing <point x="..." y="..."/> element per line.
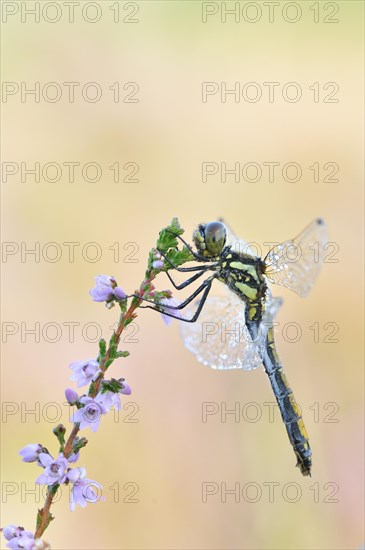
<point x="126" y="389"/>
<point x="71" y="396"/>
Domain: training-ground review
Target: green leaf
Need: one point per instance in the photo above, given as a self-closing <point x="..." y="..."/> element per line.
<point x="59" y="432"/>
<point x="112" y="345"/>
<point x="54" y="488"/>
<point x="109" y="362"/>
<point x="112" y="385"/>
<point x="134" y="301"/>
<point x="79" y="444"/>
<point x="168" y="244"/>
<point x="102" y="347"/>
<point x="39" y="519"/>
<point x="175" y="226"/>
<point x="178" y="257"/>
<point x="151" y="259"/>
<point x="167" y="238"/>
<point x="123" y="353"/>
<point x="123" y="306"/>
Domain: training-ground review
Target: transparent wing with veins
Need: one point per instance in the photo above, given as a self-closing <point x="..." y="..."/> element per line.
<point x="220" y="339"/>
<point x="296" y="263"/>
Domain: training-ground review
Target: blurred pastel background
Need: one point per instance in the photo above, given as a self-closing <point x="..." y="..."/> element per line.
<point x="159" y="449"/>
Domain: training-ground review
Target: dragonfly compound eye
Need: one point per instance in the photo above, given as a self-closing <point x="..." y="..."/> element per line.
<point x="215" y="237"/>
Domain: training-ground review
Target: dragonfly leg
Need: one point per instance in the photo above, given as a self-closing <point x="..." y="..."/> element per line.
<point x="188" y="281"/>
<point x="205" y="287"/>
<point x="207" y="282"/>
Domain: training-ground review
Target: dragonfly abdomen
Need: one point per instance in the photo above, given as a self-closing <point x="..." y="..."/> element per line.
<point x="288" y="406"/>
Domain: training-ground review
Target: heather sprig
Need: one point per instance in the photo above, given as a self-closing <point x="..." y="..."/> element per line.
<point x="102" y="394"/>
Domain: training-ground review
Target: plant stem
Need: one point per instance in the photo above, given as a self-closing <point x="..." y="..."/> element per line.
<point x="129" y="314"/>
<point x="44" y="515"/>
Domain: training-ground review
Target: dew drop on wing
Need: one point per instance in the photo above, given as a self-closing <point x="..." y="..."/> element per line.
<point x="220" y="339"/>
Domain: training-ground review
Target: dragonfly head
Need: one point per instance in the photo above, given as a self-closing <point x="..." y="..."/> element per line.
<point x="210" y="238"/>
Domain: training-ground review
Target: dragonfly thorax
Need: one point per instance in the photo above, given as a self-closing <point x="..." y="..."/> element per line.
<point x="243" y="274"/>
<point x="210" y="239"/>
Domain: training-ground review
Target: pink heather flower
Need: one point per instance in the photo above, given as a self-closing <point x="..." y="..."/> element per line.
<point x="55" y="470"/>
<point x="89" y="416"/>
<point x="75" y="474"/>
<point x="170" y="302"/>
<point x="84" y="372"/>
<point x="82" y="490"/>
<point x="11" y="531"/>
<point x="71" y="396"/>
<point x="106" y="289"/>
<point x="110" y="399"/>
<point x="24" y="542"/>
<point x="18" y="538"/>
<point x="103" y="290"/>
<point x="30" y="453"/>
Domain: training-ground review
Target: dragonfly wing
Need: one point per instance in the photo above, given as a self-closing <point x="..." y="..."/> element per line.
<point x="220" y="339"/>
<point x="295" y="264"/>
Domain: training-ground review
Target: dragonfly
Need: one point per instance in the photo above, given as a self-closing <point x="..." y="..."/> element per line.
<point x="236" y="330"/>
